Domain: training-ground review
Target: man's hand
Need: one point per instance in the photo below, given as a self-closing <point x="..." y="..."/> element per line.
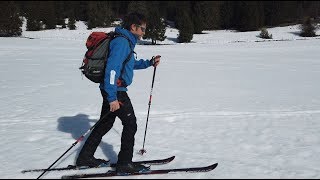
<point x="155" y="61"/>
<point x="114" y="105"/>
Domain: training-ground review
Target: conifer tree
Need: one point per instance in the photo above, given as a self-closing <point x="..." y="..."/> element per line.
<point x="33" y="16"/>
<point x="48" y="14"/>
<point x="185" y="27"/>
<point x="272" y="11"/>
<point x="61" y="12"/>
<point x="308" y="28"/>
<point x="156" y="26"/>
<point x="72" y="22"/>
<point x="249" y="15"/>
<point x="198" y="16"/>
<point x="99" y="14"/>
<point x="10" y="23"/>
<point x="183" y="8"/>
<point x="80" y="9"/>
<point x="226" y="15"/>
<point x="139" y="7"/>
<point x="211" y="14"/>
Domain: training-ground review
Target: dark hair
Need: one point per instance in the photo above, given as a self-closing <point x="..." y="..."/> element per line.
<point x="133" y="18"/>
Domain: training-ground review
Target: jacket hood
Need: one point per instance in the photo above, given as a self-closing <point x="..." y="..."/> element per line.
<point x="128" y="34"/>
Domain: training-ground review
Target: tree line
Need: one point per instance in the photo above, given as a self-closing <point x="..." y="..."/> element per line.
<point x="189" y="17"/>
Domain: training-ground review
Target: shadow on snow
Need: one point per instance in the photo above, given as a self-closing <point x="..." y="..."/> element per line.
<point x="77" y="126"/>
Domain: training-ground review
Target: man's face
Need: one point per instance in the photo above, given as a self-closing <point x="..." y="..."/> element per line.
<point x="139" y="30"/>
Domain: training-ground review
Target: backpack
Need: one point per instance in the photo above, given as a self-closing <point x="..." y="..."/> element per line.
<point x="94" y="61"/>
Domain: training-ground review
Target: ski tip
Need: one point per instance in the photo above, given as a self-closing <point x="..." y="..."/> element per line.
<point x="172" y="158"/>
<point x="210" y="167"/>
<point x="213" y="166"/>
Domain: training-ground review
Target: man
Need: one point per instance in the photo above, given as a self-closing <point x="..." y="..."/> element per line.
<point x="119" y="75"/>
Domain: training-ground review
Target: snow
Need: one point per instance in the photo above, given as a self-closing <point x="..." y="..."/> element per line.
<point x="252" y="105"/>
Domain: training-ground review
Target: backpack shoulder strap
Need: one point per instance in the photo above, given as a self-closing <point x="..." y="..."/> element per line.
<point x="130" y="45"/>
<point x="115" y="35"/>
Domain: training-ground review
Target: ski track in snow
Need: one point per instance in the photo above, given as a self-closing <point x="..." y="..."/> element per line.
<point x="183" y="114"/>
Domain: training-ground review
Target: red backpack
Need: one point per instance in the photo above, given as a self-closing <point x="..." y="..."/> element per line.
<point x="94" y="61"/>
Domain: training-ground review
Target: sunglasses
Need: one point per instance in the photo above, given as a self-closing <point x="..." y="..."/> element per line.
<point x="143" y="29"/>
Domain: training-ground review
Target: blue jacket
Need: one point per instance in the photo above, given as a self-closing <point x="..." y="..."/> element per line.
<point x="119" y="50"/>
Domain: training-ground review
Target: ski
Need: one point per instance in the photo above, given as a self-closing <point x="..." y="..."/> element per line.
<point x="148" y="172"/>
<point x="73" y="167"/>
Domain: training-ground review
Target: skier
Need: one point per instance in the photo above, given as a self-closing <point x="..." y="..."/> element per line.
<point x="116" y="99"/>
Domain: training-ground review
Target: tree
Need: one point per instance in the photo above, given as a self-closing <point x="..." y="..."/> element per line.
<point x="308" y="28"/>
<point x="248" y="15"/>
<point x="156" y="26"/>
<point x="33" y="16"/>
<point x="139" y="7"/>
<point x="227" y="15"/>
<point x="168" y="9"/>
<point x="72" y="22"/>
<point x="211" y="14"/>
<point x="99" y="14"/>
<point x="185" y="27"/>
<point x="48" y="14"/>
<point x="119" y="8"/>
<point x="10" y="23"/>
<point x="264" y="34"/>
<point x="80" y="10"/>
<point x="61" y="12"/>
<point x="198" y="17"/>
<point x="183" y="8"/>
<point x="272" y="11"/>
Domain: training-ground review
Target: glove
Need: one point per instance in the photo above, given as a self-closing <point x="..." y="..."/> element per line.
<point x="155" y="61"/>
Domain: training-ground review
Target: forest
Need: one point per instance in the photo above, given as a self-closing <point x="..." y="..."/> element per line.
<point x="190" y="17"/>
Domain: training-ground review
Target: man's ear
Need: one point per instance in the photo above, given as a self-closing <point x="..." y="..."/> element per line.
<point x="132" y="27"/>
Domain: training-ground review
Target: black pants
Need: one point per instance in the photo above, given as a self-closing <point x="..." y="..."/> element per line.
<point x="129" y="122"/>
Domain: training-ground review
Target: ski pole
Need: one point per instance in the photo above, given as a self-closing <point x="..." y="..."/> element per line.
<point x="145" y="131"/>
<point x="78" y="140"/>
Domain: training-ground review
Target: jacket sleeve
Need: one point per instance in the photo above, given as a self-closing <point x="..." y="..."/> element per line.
<point x="119" y="50"/>
<point x="142" y="64"/>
